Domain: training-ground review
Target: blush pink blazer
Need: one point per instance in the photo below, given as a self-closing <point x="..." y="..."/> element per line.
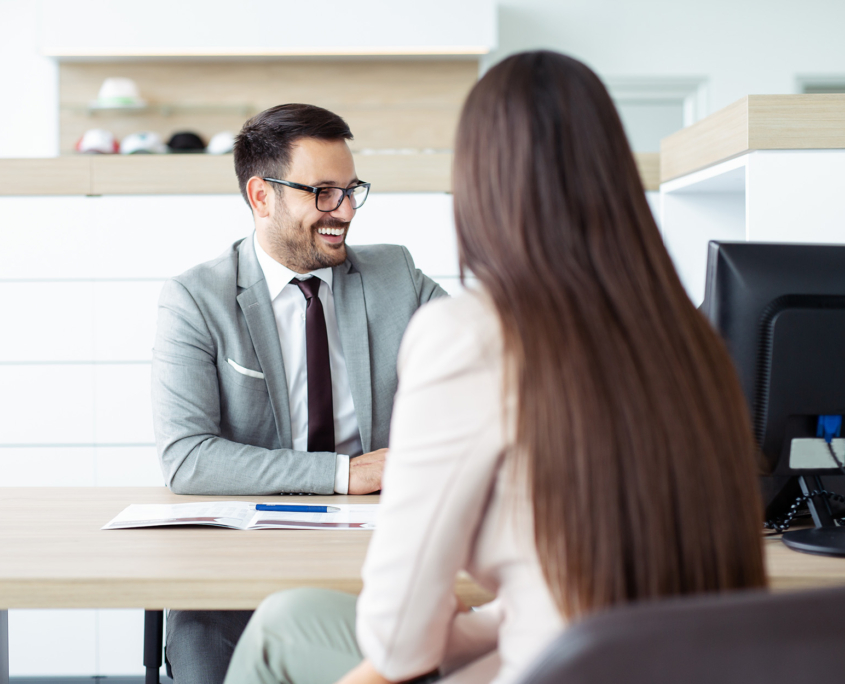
<point x="451" y="502"/>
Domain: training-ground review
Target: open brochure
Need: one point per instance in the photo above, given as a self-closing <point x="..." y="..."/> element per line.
<point x="241" y="515"/>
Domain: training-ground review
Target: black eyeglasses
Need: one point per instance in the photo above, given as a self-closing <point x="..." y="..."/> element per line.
<point x="330" y="198"/>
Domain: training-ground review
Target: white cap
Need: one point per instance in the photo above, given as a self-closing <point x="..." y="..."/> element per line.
<point x="119" y="92"/>
<point x="97" y="141"/>
<point x="222" y="143"/>
<point x="147" y="142"/>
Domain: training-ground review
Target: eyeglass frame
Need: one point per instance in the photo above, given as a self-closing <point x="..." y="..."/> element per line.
<point x="347" y="192"/>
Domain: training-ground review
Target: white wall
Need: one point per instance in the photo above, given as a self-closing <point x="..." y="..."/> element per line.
<point x="29" y="94"/>
<point x="738" y="46"/>
<point x="91" y="27"/>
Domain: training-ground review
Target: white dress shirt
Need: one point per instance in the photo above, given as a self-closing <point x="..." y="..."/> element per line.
<point x="289" y="311"/>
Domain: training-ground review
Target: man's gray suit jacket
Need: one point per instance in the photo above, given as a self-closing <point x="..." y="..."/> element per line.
<point x="221" y="431"/>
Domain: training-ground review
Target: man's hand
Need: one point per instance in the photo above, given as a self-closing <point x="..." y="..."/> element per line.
<point x="365" y="472"/>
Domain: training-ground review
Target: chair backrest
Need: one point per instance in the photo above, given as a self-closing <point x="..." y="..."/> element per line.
<point x="739" y="638"/>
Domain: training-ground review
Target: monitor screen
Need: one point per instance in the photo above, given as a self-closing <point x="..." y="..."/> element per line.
<point x="780" y="309"/>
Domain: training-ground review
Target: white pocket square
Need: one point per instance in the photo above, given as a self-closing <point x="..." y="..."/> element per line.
<point x="245" y="371"/>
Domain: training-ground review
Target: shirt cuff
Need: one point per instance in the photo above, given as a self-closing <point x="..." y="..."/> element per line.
<point x="341" y="475"/>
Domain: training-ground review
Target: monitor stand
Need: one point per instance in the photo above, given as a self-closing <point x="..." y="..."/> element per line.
<point x="826" y="539"/>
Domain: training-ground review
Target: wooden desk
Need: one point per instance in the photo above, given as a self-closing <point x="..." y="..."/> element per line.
<point x="54" y="555"/>
<point x="789" y="570"/>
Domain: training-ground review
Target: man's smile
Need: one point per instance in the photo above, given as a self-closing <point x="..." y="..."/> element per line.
<point x="333" y="235"/>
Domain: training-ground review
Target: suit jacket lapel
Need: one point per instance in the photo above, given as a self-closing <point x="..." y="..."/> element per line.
<point x="348" y="293"/>
<point x="254" y="301"/>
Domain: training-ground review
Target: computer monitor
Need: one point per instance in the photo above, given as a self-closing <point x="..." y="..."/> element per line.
<point x="780" y="309"/>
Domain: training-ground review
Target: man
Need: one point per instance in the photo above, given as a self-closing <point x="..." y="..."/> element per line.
<point x="274" y="366"/>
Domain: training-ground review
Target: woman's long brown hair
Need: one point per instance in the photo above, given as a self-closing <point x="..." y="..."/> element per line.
<point x="640" y="455"/>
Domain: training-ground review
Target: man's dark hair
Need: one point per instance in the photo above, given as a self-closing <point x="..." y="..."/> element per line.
<point x="263" y="146"/>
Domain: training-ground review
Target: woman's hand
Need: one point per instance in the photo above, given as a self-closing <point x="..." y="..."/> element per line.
<point x="365" y="673"/>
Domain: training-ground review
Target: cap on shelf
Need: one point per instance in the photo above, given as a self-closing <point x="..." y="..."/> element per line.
<point x="97" y="141"/>
<point x="222" y="143"/>
<point x="186" y="141"/>
<point x="144" y="142"/>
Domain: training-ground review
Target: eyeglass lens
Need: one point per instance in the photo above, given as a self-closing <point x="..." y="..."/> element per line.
<point x="329" y="199"/>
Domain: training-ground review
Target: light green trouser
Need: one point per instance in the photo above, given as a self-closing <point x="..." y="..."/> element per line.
<point x="301" y="636"/>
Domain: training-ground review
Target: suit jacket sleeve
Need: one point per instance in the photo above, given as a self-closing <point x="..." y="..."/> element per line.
<point x="444" y="452"/>
<point x="426" y="288"/>
<point x="194" y="458"/>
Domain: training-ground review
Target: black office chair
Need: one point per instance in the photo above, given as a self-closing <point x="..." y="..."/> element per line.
<point x="739" y="638"/>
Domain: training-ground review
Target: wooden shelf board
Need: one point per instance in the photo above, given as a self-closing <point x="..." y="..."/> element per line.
<point x="715" y="138"/>
<point x="180" y="174"/>
<point x="796" y="122"/>
<point x="190" y="174"/>
<point x="756" y="122"/>
<point x="648" y="164"/>
<point x="58" y="176"/>
<point x="406" y="172"/>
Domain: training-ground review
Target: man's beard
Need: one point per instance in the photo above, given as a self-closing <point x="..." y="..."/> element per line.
<point x="295" y="245"/>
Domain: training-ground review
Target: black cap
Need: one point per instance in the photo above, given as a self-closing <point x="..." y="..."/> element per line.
<point x="186" y="141"/>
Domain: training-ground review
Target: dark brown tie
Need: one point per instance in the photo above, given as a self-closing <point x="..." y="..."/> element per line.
<point x="320" y="409"/>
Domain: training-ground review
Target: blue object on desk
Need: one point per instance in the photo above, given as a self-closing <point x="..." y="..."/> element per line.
<point x="293" y="508"/>
<point x="829" y="427"/>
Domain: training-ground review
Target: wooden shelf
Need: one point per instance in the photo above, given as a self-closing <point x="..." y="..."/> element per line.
<point x="648" y="164"/>
<point x="57" y="176"/>
<point x="183" y="174"/>
<point x="388" y="104"/>
<point x="198" y="174"/>
<point x="756" y="122"/>
<point x="204" y="174"/>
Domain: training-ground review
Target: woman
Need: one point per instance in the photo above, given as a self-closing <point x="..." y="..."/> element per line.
<point x="571" y="433"/>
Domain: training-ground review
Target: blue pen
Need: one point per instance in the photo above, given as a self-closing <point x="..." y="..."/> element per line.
<point x="293" y="508"/>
